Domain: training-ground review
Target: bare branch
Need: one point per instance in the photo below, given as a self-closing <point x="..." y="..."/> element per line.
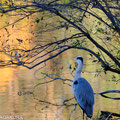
<point x="109" y="91"/>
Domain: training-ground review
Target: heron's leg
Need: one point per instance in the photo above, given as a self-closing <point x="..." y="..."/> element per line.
<point x="83" y="115"/>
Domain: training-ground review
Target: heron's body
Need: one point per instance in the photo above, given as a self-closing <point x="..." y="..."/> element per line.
<point x="83" y="91"/>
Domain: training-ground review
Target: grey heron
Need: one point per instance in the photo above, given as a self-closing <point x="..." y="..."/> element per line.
<point x="82" y="90"/>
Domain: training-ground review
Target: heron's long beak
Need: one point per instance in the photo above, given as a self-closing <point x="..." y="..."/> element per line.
<point x="75" y="59"/>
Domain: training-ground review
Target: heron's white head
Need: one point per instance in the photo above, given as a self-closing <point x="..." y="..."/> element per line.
<point x="78" y="71"/>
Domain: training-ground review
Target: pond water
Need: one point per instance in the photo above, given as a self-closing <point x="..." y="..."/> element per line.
<point x="17" y="84"/>
<point x="22" y="94"/>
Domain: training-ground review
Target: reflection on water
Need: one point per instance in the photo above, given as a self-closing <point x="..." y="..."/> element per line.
<point x="6" y="79"/>
<point x="16" y="84"/>
<point x="14" y="80"/>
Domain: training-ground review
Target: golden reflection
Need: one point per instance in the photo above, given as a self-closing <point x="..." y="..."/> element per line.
<point x="22" y="36"/>
<point x="6" y="79"/>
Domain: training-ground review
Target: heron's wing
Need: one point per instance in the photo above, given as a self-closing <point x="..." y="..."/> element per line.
<point x="83" y="93"/>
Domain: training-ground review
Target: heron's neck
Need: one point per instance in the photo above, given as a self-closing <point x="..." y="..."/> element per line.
<point x="78" y="71"/>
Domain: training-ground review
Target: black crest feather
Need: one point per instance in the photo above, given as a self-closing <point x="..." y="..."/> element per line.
<point x="80" y="58"/>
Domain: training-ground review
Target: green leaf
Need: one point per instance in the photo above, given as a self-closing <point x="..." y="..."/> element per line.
<point x="76" y="43"/>
<point x="98" y="54"/>
<point x="109" y="38"/>
<point x="100" y="30"/>
<point x="37" y="20"/>
<point x="99" y="23"/>
<point x="118" y="52"/>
